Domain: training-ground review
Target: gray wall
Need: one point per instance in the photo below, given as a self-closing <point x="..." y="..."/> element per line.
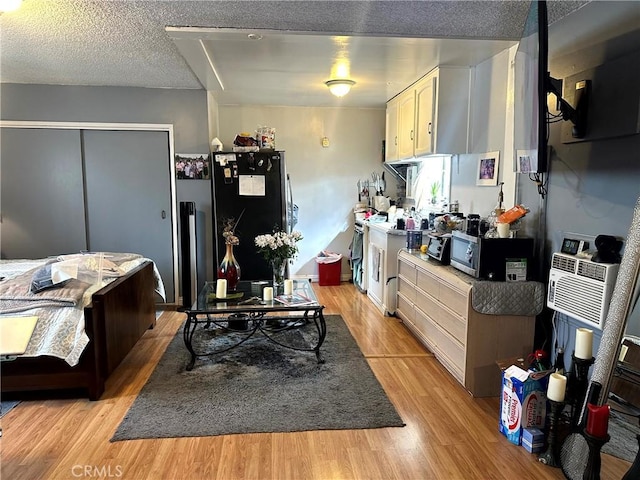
<point x="185" y="109"/>
<point x="592" y="185"/>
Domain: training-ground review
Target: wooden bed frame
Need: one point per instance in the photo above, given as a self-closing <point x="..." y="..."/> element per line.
<point x="115" y="320"/>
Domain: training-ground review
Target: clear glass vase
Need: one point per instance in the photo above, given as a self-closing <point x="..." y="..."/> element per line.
<point x="279" y="268"/>
<point x="229" y="269"/>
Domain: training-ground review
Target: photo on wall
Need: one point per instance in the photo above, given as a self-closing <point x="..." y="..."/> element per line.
<point x="488" y="169"/>
<point x="193" y="166"/>
<point x="526" y="161"/>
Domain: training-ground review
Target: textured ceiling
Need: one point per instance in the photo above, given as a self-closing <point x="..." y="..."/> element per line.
<point x="124" y="43"/>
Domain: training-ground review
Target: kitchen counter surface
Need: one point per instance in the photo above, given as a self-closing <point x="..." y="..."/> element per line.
<point x="390" y="228"/>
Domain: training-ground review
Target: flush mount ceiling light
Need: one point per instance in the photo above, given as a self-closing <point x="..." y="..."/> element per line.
<point x="340" y="87"/>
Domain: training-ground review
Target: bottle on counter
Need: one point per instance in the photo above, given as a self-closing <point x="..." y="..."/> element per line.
<point x="411" y="222"/>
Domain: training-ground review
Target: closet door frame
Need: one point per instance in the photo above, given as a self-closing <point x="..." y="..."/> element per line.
<point x="154" y="127"/>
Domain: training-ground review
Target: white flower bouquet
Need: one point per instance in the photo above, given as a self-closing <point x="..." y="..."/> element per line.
<point x="278" y="246"/>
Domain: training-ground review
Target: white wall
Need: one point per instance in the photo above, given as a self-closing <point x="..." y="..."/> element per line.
<point x="490" y="127"/>
<point x="324" y="180"/>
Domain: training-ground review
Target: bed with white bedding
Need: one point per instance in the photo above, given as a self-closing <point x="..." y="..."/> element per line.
<point x="91" y="312"/>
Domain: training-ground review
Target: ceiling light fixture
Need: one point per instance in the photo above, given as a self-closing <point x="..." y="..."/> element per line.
<point x="9" y="5"/>
<point x="340" y="87"/>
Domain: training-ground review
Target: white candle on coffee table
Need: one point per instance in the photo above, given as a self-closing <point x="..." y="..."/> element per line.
<point x="221" y="288"/>
<point x="267" y="294"/>
<point x="584" y="343"/>
<point x="557" y="387"/>
<point x="288" y="287"/>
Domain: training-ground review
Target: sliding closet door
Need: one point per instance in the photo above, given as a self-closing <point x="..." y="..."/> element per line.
<point x="128" y="196"/>
<point x="41" y="199"/>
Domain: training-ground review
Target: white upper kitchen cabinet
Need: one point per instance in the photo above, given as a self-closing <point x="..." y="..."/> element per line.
<point x="391" y="130"/>
<point x="425" y="91"/>
<point x="406" y="124"/>
<point x="431" y="116"/>
<point x="400" y="133"/>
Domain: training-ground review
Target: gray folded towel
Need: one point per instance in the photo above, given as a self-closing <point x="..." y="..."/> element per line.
<point x="507" y="298"/>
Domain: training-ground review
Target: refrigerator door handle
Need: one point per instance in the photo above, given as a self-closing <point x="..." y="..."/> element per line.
<point x="292" y="208"/>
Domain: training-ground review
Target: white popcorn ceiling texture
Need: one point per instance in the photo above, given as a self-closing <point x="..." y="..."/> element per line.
<point x="123" y="43"/>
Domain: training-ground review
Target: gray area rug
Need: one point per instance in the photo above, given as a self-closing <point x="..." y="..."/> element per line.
<point x="260" y="387"/>
<point x="6" y="406"/>
<point x="623" y="442"/>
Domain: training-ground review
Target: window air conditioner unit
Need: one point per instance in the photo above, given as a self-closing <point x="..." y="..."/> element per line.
<point x="581" y="288"/>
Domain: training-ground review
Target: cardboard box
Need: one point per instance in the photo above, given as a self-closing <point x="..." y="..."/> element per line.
<point x="523" y="402"/>
<point x="532" y="448"/>
<point x="532" y="439"/>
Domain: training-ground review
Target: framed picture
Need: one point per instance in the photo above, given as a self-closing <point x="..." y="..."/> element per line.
<point x="527" y="161"/>
<point x="193" y="166"/>
<point x="488" y="169"/>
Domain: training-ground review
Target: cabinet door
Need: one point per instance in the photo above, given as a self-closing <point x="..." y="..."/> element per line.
<point x="129" y="196"/>
<point x="425" y="125"/>
<point x="41" y="193"/>
<point x="391" y="131"/>
<point x="406" y="133"/>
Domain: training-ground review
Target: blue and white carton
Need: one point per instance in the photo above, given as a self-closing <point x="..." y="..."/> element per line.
<point x="532" y="439"/>
<point x="523" y="402"/>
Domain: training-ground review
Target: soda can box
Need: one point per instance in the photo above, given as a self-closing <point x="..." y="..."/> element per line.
<point x="523" y="402"/>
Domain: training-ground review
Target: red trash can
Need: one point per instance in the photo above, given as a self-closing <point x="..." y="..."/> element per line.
<point x="329" y="269"/>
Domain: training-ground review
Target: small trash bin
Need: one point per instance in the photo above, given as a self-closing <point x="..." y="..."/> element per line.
<point x="329" y="268"/>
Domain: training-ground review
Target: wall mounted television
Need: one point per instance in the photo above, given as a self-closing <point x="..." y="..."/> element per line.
<point x="530" y="102"/>
<point x="532" y="85"/>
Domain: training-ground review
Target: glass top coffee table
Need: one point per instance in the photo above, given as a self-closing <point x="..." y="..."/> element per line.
<point x="216" y="325"/>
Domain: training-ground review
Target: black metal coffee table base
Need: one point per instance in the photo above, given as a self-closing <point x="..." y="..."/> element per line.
<point x="240" y="326"/>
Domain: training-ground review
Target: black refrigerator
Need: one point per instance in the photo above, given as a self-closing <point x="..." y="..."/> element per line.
<point x="255" y="188"/>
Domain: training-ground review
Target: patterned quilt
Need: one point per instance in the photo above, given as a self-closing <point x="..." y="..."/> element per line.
<point x="59" y="331"/>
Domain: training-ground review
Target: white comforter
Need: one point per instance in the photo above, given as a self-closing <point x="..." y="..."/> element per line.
<point x="60" y="332"/>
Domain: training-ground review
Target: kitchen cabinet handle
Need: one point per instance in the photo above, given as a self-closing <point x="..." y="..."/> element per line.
<point x="429" y="128"/>
<point x="396" y="140"/>
<point x="411" y="134"/>
<point x="163" y="214"/>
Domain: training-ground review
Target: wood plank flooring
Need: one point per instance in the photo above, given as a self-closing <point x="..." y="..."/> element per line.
<point x="448" y="434"/>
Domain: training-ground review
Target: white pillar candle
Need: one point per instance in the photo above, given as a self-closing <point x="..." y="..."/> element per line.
<point x="267" y="294"/>
<point x="503" y="230"/>
<point x="623" y="353"/>
<point x="584" y="343"/>
<point x="557" y="387"/>
<point x="221" y="288"/>
<point x="288" y="287"/>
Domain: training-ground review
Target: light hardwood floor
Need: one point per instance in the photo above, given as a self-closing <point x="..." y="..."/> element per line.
<point x="448" y="434"/>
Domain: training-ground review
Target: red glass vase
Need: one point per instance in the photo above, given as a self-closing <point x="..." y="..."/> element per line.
<point x="229" y="269"/>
